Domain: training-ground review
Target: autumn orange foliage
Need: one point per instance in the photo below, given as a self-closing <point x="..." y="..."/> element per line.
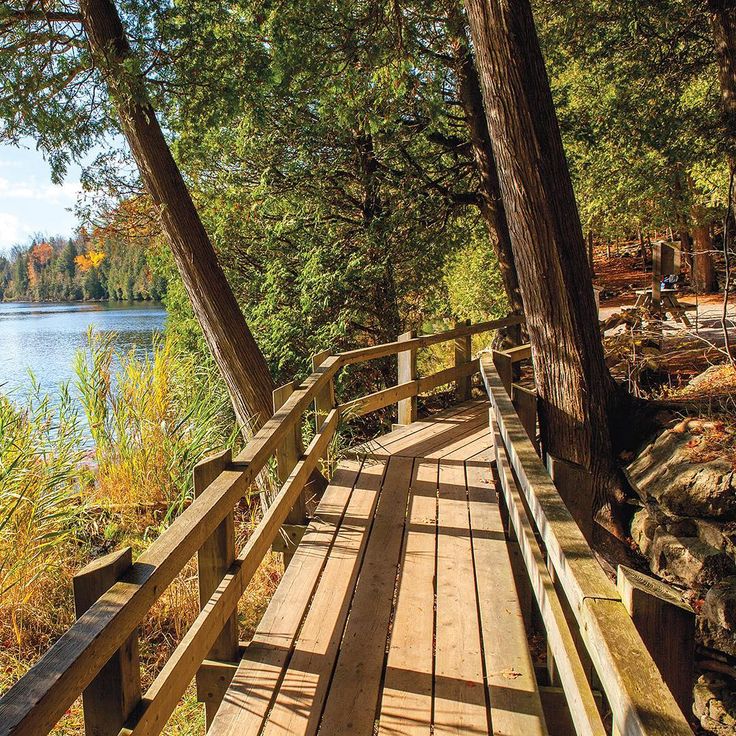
<point x="87" y="261"/>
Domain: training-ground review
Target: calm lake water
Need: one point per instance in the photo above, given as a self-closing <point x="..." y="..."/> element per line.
<point x="44" y="338"/>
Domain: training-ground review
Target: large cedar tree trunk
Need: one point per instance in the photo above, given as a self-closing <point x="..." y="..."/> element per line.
<point x="577" y="392"/>
<point x="226" y="332"/>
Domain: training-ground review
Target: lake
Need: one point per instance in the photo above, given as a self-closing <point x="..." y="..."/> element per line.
<point x="44" y="338"/>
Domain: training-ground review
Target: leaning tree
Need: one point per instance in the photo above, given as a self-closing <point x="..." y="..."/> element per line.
<point x="578" y="395"/>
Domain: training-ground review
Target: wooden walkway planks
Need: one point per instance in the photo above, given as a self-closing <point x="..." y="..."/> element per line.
<point x="391" y="620"/>
<point x="255" y="683"/>
<point x="351" y="706"/>
<point x="513" y="694"/>
<point x="406" y="703"/>
<point x="459" y="699"/>
<point x="298" y="704"/>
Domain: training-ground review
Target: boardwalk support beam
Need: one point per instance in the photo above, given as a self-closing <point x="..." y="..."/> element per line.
<point x="287" y="456"/>
<point x="213" y="561"/>
<point x="667" y="627"/>
<point x="463" y="355"/>
<point x="407" y="367"/>
<point x="116" y="690"/>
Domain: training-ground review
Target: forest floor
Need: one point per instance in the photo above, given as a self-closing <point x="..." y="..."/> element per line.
<point x="686" y="351"/>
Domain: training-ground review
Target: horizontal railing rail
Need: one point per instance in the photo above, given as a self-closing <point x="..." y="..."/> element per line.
<point x="34" y="704"/>
<point x="640" y="701"/>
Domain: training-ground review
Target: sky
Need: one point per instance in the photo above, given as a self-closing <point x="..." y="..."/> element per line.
<point x="29" y="202"/>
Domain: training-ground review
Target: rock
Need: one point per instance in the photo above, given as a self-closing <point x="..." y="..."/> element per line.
<point x="720" y="604"/>
<point x="687" y="560"/>
<point x="643" y="527"/>
<point x="715" y="705"/>
<point x="664" y="472"/>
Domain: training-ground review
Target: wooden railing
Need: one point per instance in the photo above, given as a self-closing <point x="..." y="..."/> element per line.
<point x="99" y="653"/>
<point x="591" y="636"/>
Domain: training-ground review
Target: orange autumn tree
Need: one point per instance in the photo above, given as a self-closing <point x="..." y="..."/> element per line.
<point x="91" y="259"/>
<point x="38" y="258"/>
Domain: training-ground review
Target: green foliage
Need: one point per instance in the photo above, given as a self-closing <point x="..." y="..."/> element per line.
<point x="637" y="94"/>
<point x="327" y="168"/>
<point x="474" y="286"/>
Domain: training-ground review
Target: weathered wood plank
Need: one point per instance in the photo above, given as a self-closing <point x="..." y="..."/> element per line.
<point x="414" y="434"/>
<point x="441" y="445"/>
<point x="353" y="697"/>
<point x="579" y="571"/>
<point x="406" y="702"/>
<point x="639" y="697"/>
<point x="407" y="373"/>
<point x="640" y="701"/>
<point x="296" y="709"/>
<point x="459" y="697"/>
<point x="514" y="698"/>
<point x="423" y="341"/>
<point x="656" y="607"/>
<point x="394" y="394"/>
<point x="324" y="399"/>
<point x="561" y="641"/>
<point x="111" y="697"/>
<point x="214" y="559"/>
<point x="463" y="354"/>
<point x="255" y="683"/>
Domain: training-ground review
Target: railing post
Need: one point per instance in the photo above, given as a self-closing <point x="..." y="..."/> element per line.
<point x="214" y="559"/>
<point x="666" y="626"/>
<point x="505" y="368"/>
<point x="407" y="365"/>
<point x="324" y="401"/>
<point x="111" y="697"/>
<point x="463" y="354"/>
<point x="287" y="456"/>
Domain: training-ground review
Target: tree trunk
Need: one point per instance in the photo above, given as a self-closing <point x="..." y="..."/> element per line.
<point x="576" y="390"/>
<point x="704" y="273"/>
<point x="240" y="361"/>
<point x="489" y="187"/>
<point x="723" y="26"/>
<point x="642" y="249"/>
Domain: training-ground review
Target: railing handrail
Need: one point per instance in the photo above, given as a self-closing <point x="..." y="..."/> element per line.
<point x="640" y="700"/>
<point x="35" y="703"/>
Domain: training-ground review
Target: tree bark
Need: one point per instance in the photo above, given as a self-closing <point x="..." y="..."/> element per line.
<point x="239" y="359"/>
<point x="723" y="26"/>
<point x="704" y="273"/>
<point x="576" y="390"/>
<point x="489" y="188"/>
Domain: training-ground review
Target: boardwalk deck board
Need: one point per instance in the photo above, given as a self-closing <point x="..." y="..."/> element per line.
<point x="388" y="622"/>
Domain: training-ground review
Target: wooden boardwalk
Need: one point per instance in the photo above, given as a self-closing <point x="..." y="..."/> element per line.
<point x="385" y="621"/>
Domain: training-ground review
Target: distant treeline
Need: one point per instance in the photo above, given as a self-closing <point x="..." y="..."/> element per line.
<point x="80" y="268"/>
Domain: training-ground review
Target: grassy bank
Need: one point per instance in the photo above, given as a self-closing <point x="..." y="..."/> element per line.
<point x="65" y="501"/>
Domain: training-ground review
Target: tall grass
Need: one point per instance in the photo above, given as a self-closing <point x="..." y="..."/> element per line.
<point x="152" y="419"/>
<point x="41" y="480"/>
<point x="106" y="466"/>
